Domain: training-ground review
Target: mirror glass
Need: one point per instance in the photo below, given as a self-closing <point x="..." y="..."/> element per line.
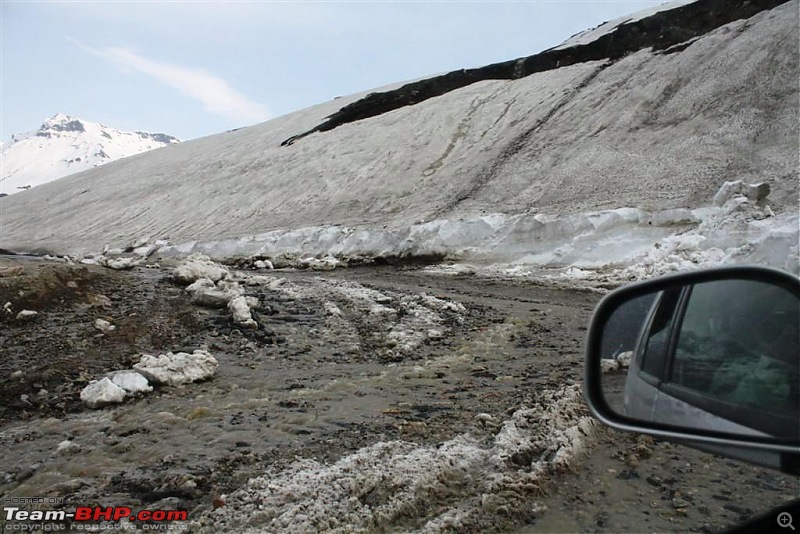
<point x="721" y="355"/>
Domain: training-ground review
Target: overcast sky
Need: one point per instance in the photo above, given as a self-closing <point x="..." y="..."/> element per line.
<point x="192" y="69"/>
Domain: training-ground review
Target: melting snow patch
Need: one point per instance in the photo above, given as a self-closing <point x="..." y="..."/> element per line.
<point x="442" y="304"/>
<point x="459" y="485"/>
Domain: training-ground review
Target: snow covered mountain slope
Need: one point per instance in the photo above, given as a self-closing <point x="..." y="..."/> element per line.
<point x="65" y="145"/>
<point x="611" y="160"/>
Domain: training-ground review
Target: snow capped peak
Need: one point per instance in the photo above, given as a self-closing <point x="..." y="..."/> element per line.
<point x="65" y="145"/>
<point x="59" y="120"/>
<point x="59" y="123"/>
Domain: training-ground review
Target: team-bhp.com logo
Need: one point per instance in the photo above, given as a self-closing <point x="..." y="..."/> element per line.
<point x="17" y="518"/>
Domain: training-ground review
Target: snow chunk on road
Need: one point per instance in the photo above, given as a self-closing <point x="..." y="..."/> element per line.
<point x="132" y="382"/>
<point x="68" y="447"/>
<point x="176" y="369"/>
<point x="102" y="393"/>
<point x="263" y="264"/>
<point x="26" y="315"/>
<point x="200" y="284"/>
<point x="624" y="359"/>
<point x="620" y="363"/>
<point x="104" y="326"/>
<point x="119" y="264"/>
<point x="608" y="365"/>
<point x="198" y="266"/>
<point x="442" y="304"/>
<point x="205" y="293"/>
<point x="225" y="293"/>
<point x="328" y="263"/>
<point x="240" y="309"/>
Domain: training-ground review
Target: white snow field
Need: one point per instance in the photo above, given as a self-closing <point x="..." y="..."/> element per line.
<point x="66" y="145"/>
<point x="603" y="168"/>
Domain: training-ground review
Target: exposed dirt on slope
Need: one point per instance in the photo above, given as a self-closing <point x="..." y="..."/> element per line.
<point x="49" y="358"/>
<point x="668" y="32"/>
<point x="336" y="365"/>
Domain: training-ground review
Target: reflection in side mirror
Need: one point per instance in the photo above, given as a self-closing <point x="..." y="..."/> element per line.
<point x="701" y="355"/>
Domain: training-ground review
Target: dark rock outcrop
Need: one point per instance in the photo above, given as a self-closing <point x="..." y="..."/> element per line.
<point x="159" y="137"/>
<point x="666" y="31"/>
<point x="66" y="126"/>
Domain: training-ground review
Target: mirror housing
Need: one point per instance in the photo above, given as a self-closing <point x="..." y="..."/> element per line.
<point x="639" y="306"/>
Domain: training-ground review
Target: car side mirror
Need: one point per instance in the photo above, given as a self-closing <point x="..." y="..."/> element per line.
<point x="709" y="358"/>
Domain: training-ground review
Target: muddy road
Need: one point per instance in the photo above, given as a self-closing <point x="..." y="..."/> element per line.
<point x="369" y="399"/>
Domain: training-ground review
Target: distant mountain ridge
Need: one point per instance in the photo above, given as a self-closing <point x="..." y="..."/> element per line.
<point x="65" y="145"/>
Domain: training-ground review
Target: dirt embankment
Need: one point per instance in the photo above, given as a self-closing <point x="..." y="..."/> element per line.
<point x="339" y="362"/>
<point x="49" y="358"/>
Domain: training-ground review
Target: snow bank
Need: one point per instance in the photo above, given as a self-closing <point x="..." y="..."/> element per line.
<point x="460" y="485"/>
<point x="621" y="244"/>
